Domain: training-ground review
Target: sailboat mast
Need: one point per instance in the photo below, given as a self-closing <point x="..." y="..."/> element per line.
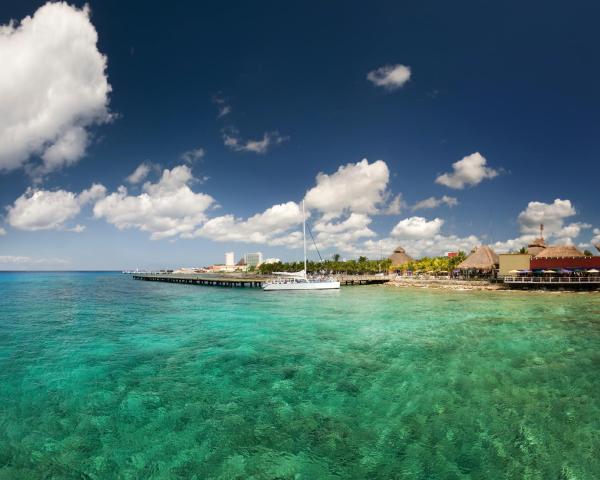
<point x="304" y="234"/>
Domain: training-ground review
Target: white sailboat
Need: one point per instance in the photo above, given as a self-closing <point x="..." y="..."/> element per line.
<point x="299" y="280"/>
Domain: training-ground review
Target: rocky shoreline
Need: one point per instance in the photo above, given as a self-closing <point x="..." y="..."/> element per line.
<point x="445" y="284"/>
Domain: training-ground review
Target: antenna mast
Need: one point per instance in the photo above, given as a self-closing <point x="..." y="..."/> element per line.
<point x="304" y="235"/>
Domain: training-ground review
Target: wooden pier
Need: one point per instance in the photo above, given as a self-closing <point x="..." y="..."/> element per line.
<point x="245" y="281"/>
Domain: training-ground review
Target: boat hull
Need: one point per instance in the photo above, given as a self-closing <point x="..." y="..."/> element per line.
<point x="270" y="287"/>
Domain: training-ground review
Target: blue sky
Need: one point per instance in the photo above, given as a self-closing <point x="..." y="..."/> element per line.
<point x="276" y="102"/>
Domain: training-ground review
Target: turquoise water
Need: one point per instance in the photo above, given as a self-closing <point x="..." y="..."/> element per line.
<point x="105" y="377"/>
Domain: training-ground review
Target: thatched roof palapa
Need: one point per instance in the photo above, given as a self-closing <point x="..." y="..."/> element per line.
<point x="399" y="257"/>
<point x="537" y="246"/>
<point x="483" y="258"/>
<point x="555" y="251"/>
<point x="598" y="247"/>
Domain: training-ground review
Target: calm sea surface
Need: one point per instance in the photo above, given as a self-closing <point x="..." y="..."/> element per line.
<point x="105" y="377"/>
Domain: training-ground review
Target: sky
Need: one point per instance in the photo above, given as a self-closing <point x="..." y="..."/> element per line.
<point x="147" y="134"/>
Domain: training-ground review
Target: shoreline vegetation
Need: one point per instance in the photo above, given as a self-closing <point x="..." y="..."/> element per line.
<point x="364" y="266"/>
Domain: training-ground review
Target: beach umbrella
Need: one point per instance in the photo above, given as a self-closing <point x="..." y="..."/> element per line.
<point x="593" y="270"/>
<point x="512" y="272"/>
<point x="565" y="270"/>
<point x="524" y="271"/>
<point x="548" y="271"/>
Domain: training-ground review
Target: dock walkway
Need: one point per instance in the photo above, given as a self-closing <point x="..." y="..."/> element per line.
<point x="245" y="281"/>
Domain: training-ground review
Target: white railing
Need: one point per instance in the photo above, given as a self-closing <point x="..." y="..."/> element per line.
<point x="551" y="279"/>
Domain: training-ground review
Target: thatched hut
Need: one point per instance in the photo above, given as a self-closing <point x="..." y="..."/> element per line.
<point x="558" y="251"/>
<point x="537" y="246"/>
<point x="399" y="257"/>
<point x="482" y="259"/>
<point x="598" y="247"/>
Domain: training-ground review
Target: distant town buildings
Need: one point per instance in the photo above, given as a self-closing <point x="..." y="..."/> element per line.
<point x="253" y="259"/>
<point x="229" y="259"/>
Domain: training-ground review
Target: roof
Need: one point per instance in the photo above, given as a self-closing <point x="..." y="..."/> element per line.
<point x="536" y="246"/>
<point x="241" y="263"/>
<point x="483" y="258"/>
<point x="538" y="242"/>
<point x="555" y="251"/>
<point x="598" y="247"/>
<point x="399" y="257"/>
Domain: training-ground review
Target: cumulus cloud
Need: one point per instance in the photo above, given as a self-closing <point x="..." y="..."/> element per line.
<point x="50" y="210"/>
<point x="2" y="231"/>
<point x="468" y="172"/>
<point x="356" y="187"/>
<point x="343" y="234"/>
<point x="193" y="155"/>
<point x="232" y="140"/>
<point x="22" y="262"/>
<point x="140" y="173"/>
<point x="553" y="216"/>
<point x="165" y="209"/>
<point x="436" y="245"/>
<point x="434" y="202"/>
<point x="417" y="228"/>
<point x="266" y="227"/>
<point x="53" y="87"/>
<point x="596" y="239"/>
<point x="395" y="206"/>
<point x="390" y="77"/>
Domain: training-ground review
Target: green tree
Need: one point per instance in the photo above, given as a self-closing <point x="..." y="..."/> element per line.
<point x="587" y="253"/>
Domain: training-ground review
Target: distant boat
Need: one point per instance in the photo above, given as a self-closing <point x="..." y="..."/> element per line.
<point x="299" y="280"/>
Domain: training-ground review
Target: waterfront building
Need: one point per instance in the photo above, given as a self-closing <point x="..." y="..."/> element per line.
<point x="229" y="259"/>
<point x="253" y="259"/>
<point x="509" y="262"/>
<point x="482" y="259"/>
<point x="400" y="257"/>
<point x="565" y="257"/>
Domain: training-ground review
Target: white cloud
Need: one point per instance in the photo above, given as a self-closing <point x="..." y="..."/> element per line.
<point x="193" y="155"/>
<point x="50" y="210"/>
<point x="390" y="77"/>
<point x="268" y="227"/>
<point x="417" y="228"/>
<point x="395" y="206"/>
<point x="232" y="140"/>
<point x="140" y="173"/>
<point x="596" y="239"/>
<point x="2" y="231"/>
<point x="166" y="209"/>
<point x="222" y="104"/>
<point x="11" y="259"/>
<point x="552" y="216"/>
<point x="20" y="262"/>
<point x="355" y="187"/>
<point x="342" y="235"/>
<point x="469" y="171"/>
<point x="434" y="202"/>
<point x="53" y="86"/>
<point x="436" y="245"/>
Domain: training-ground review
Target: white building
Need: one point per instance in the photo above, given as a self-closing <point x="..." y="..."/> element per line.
<point x="253" y="259"/>
<point x="229" y="259"/>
